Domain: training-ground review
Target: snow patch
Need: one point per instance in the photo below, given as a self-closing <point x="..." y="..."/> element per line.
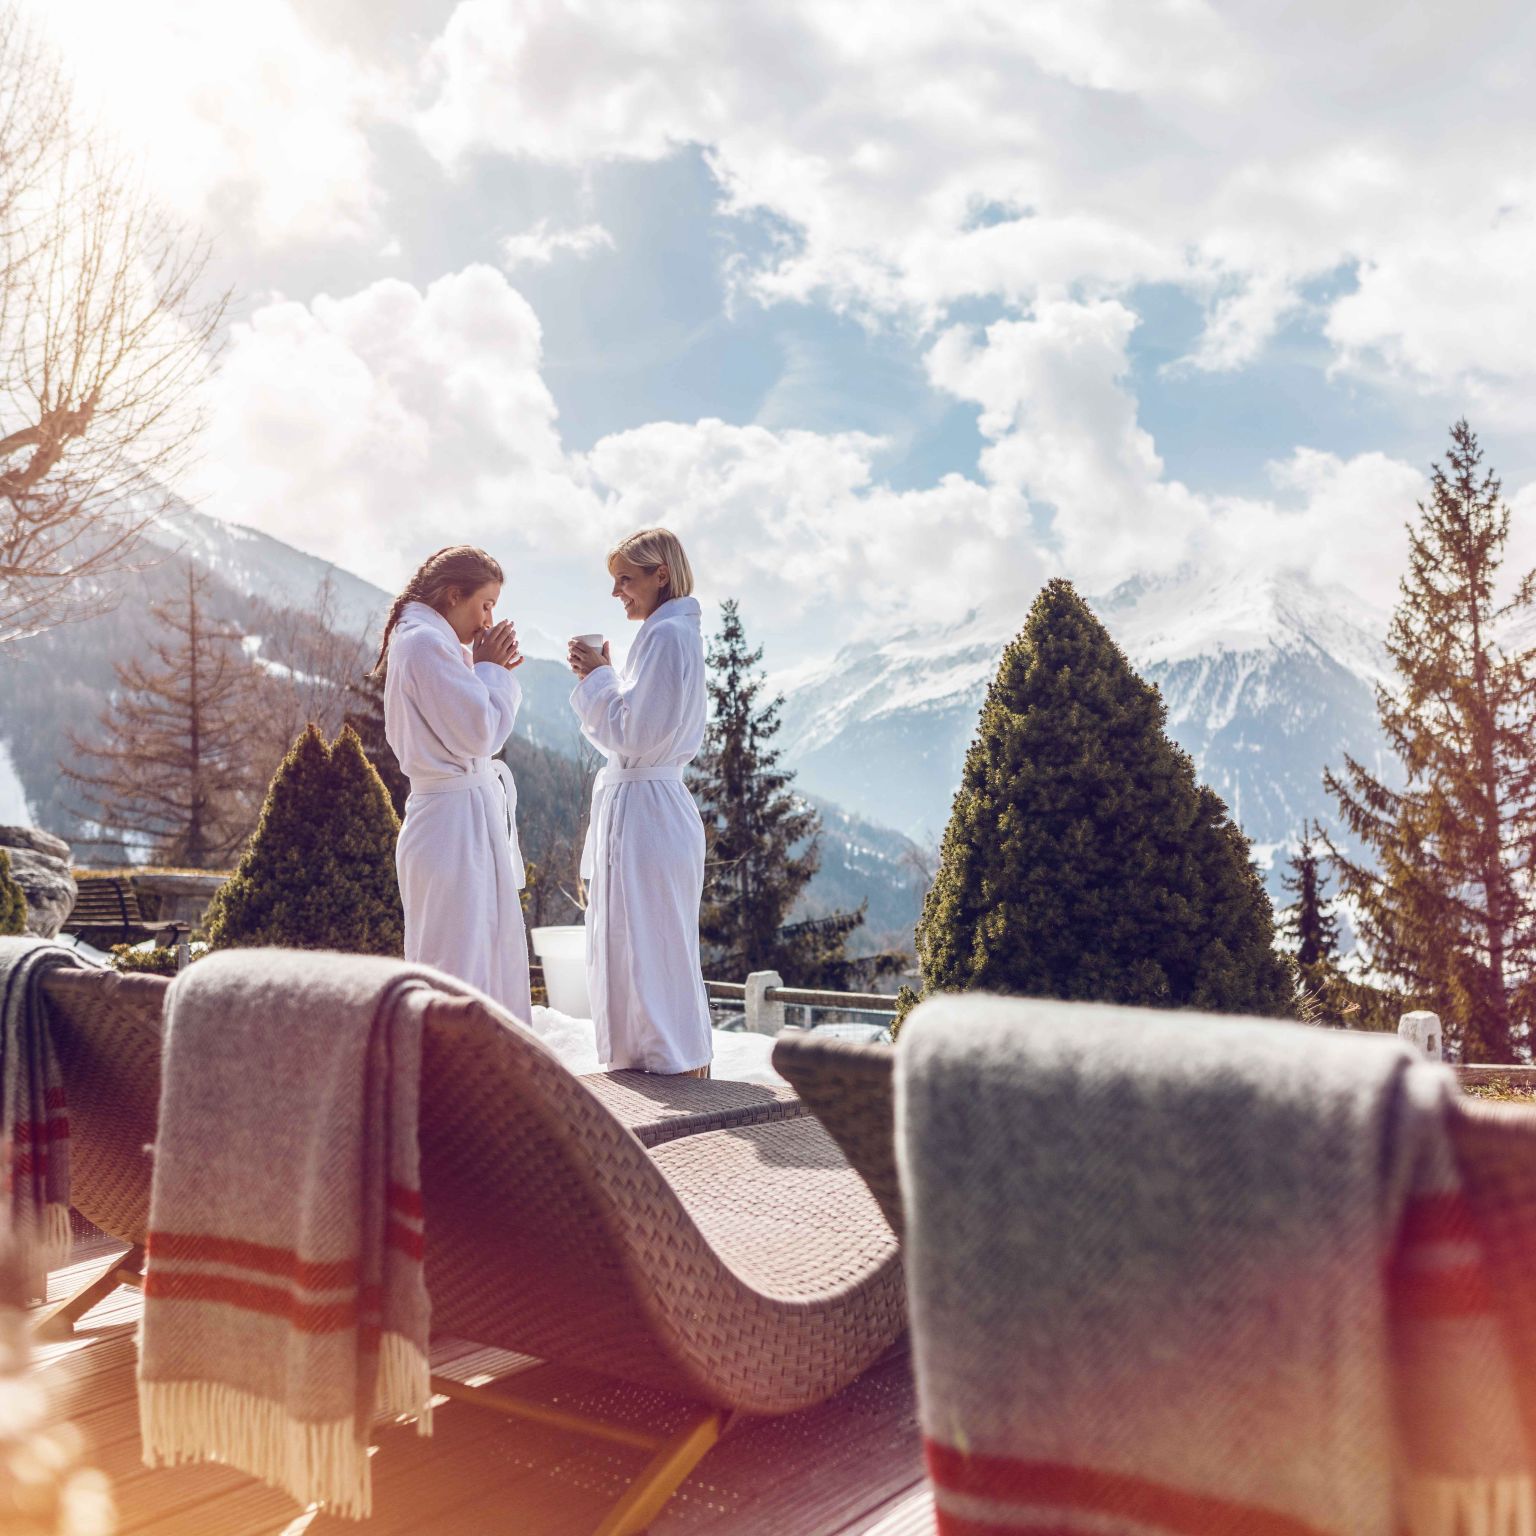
<point x="739" y="1057"/>
<point x="14" y="809"/>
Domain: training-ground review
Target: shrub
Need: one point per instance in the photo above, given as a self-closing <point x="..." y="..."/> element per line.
<point x="159" y="961"/>
<point x="13" y="900"/>
<point x="319" y="872"/>
<point x="1083" y="859"/>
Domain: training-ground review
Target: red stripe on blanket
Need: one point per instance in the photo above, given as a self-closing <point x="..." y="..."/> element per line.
<point x="28" y="1161"/>
<point x="402" y="1238"/>
<point x="1460" y="1290"/>
<point x="1445" y="1218"/>
<point x="306" y="1317"/>
<point x="405" y="1202"/>
<point x="35" y="1131"/>
<point x="55" y="1098"/>
<point x="201" y="1248"/>
<point x="1007" y="1481"/>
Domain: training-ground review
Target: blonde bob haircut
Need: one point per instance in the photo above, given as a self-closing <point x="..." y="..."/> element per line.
<point x="653" y="547"/>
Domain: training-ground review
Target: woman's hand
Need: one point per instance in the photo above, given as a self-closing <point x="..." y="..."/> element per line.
<point x="584" y="660"/>
<point x="498" y="645"/>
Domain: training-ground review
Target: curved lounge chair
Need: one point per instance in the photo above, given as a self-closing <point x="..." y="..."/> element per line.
<point x="106" y="1027"/>
<point x="746" y="1269"/>
<point x="850" y="1087"/>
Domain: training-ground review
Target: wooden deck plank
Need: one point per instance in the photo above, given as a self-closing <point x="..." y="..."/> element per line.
<point x="856" y="1461"/>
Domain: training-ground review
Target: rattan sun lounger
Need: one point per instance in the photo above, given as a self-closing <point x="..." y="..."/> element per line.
<point x="106" y="1027"/>
<point x="850" y="1087"/>
<point x="746" y="1269"/>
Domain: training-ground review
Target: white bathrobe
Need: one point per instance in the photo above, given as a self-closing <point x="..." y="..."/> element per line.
<point x="458" y="860"/>
<point x="644" y="857"/>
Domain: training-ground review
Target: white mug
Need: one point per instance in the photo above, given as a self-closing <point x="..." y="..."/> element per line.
<point x="595" y="641"/>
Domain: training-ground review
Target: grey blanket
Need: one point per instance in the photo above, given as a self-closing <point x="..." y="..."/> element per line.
<point x="34" y="1117"/>
<point x="1187" y="1274"/>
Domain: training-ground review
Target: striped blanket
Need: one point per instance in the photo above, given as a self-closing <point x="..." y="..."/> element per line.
<point x="1180" y="1276"/>
<point x="285" y="1305"/>
<point x="34" y="1118"/>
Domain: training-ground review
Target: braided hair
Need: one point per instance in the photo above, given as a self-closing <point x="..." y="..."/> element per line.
<point x="460" y="566"/>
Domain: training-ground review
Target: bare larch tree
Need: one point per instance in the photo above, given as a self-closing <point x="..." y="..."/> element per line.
<point x="106" y="332"/>
<point x="173" y="765"/>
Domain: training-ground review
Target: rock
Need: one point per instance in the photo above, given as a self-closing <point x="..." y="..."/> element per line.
<point x="37" y="840"/>
<point x="40" y="866"/>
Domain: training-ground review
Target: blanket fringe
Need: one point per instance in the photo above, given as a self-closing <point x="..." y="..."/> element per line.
<point x="209" y="1421"/>
<point x="405" y="1382"/>
<point x="56" y="1239"/>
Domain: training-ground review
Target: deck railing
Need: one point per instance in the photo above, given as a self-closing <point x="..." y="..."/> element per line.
<point x="766" y="1002"/>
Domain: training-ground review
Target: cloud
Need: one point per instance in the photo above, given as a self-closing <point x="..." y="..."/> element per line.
<point x="244" y="120"/>
<point x="1240" y="151"/>
<point x="370" y="429"/>
<point x="539" y="246"/>
<point x="1062" y="431"/>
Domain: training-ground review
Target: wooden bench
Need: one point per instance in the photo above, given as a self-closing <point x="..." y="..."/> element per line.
<point x="106" y="912"/>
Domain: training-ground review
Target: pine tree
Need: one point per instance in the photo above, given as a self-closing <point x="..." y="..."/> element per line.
<point x="319" y="872"/>
<point x="1309" y="920"/>
<point x="1082" y="858"/>
<point x="13" y="900"/>
<point x="172" y="764"/>
<point x="366" y="718"/>
<point x="754" y="824"/>
<point x="1445" y="884"/>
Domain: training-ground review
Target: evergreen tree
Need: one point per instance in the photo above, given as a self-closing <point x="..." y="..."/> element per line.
<point x="172" y="764"/>
<point x="1082" y="858"/>
<point x="1309" y="920"/>
<point x="1444" y="885"/>
<point x="13" y="900"/>
<point x="319" y="872"/>
<point x="760" y="838"/>
<point x="366" y="718"/>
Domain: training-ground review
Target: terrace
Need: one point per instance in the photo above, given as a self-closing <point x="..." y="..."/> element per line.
<point x="854" y="1461"/>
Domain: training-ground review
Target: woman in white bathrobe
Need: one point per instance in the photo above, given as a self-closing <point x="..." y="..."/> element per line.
<point x="450" y="701"/>
<point x="644" y="856"/>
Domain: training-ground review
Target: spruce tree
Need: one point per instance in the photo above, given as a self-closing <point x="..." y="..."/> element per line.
<point x="366" y="718"/>
<point x="1309" y="920"/>
<point x="13" y="900"/>
<point x="1445" y="882"/>
<point x="319" y="872"/>
<point x="172" y="763"/>
<point x="1082" y="858"/>
<point x="760" y="838"/>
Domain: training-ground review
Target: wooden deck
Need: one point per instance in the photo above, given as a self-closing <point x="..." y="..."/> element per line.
<point x="852" y="1465"/>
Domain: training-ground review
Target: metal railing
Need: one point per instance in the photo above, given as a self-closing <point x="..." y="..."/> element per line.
<point x="765" y="1003"/>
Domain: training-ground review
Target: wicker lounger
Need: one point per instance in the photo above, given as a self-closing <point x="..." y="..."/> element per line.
<point x="850" y="1087"/>
<point x="106" y="1027"/>
<point x="745" y="1269"/>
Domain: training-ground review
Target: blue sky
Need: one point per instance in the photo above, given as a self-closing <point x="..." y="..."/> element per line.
<point x="888" y="312"/>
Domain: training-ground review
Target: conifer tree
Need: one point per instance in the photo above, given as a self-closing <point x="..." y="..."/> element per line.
<point x="172" y="762"/>
<point x="319" y="872"/>
<point x="1082" y="858"/>
<point x="366" y="718"/>
<point x="754" y="824"/>
<point x="1445" y="883"/>
<point x="13" y="900"/>
<point x="1309" y="920"/>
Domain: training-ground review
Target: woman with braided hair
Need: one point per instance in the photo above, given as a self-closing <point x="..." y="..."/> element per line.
<point x="450" y="701"/>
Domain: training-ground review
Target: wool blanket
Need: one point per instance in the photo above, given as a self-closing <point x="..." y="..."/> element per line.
<point x="285" y="1304"/>
<point x="34" y="1116"/>
<point x="1216" y="1277"/>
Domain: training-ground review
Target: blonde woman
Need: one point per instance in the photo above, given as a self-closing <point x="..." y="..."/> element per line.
<point x="644" y="857"/>
<point x="450" y="701"/>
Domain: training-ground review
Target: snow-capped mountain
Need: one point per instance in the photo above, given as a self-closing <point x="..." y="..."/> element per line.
<point x="1267" y="681"/>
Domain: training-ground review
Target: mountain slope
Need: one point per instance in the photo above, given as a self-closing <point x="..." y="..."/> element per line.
<point x="56" y="684"/>
<point x="1267" y="681"/>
